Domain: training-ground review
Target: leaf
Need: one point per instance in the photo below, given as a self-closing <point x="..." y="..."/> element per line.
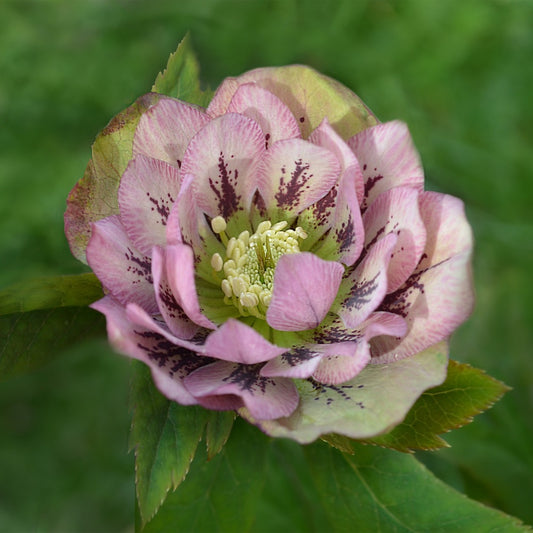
<point x="181" y="77"/>
<point x="218" y="495"/>
<point x="372" y="403"/>
<point x="29" y="340"/>
<point x="46" y="293"/>
<point x="165" y="436"/>
<point x="218" y="430"/>
<point x="466" y="392"/>
<point x="377" y="490"/>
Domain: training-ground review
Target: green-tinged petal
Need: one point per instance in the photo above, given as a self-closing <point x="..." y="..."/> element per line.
<point x="375" y="401"/>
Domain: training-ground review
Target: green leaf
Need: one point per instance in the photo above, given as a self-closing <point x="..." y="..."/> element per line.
<point x="377" y="490"/>
<point x="181" y="77"/>
<point x="95" y="196"/>
<point x="466" y="392"/>
<point x="29" y="340"/>
<point x="372" y="403"/>
<point x="46" y="293"/>
<point x="218" y="430"/>
<point x="165" y="436"/>
<point x="218" y="495"/>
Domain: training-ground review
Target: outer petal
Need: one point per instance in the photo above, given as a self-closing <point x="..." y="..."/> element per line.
<point x="396" y="210"/>
<point x="304" y="289"/>
<point x="236" y="342"/>
<point x="294" y="174"/>
<point x="124" y="271"/>
<point x="180" y="272"/>
<point x="388" y="159"/>
<point x="338" y="368"/>
<point x="146" y="194"/>
<point x="222" y="158"/>
<point x="169" y="363"/>
<point x="365" y="287"/>
<point x="175" y="317"/>
<point x="309" y="95"/>
<point x="266" y="398"/>
<point x="166" y="129"/>
<point x="372" y="403"/>
<point x="274" y="117"/>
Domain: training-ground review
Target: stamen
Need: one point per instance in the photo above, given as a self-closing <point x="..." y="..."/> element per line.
<point x="216" y="262"/>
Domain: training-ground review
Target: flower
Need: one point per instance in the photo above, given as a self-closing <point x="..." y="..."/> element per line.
<point x="276" y="254"/>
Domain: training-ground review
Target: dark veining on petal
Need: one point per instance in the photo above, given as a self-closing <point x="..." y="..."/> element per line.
<point x="247" y="378"/>
<point x="297" y="355"/>
<point x="346" y="234"/>
<point x="337" y="333"/>
<point x="339" y="390"/>
<point x="162" y="206"/>
<point x="267" y="138"/>
<point x="323" y="207"/>
<point x="370" y="182"/>
<point x="169" y="301"/>
<point x="289" y="192"/>
<point x="361" y="293"/>
<point x="224" y="188"/>
<point x="140" y="266"/>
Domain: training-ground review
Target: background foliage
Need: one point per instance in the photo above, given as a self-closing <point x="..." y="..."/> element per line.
<point x="456" y="71"/>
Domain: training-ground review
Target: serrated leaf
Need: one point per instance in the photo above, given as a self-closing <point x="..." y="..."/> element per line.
<point x="181" y="77"/>
<point x="218" y="430"/>
<point x="95" y="196"/>
<point x="29" y="340"/>
<point x="47" y="293"/>
<point x="165" y="436"/>
<point x="376" y="490"/>
<point x="221" y="494"/>
<point x="466" y="392"/>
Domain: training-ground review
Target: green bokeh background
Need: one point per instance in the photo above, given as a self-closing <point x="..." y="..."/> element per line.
<point x="459" y="72"/>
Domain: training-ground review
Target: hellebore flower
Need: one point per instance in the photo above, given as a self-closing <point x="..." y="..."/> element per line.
<point x="276" y="254"/>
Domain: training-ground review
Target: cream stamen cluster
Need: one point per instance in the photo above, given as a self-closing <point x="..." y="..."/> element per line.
<point x="249" y="263"/>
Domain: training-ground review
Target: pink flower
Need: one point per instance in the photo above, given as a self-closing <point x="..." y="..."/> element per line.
<point x="276" y="254"/>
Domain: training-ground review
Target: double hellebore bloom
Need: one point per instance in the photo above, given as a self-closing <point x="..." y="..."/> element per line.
<point x="276" y="254"/>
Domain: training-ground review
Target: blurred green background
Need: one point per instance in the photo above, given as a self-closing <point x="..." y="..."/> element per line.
<point x="459" y="72"/>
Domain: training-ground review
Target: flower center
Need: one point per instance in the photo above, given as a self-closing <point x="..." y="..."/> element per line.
<point x="249" y="263"/>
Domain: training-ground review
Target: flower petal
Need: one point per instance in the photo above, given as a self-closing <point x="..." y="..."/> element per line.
<point x="266" y="398"/>
<point x="294" y="174"/>
<point x="335" y="369"/>
<point x="236" y="342"/>
<point x="388" y="159"/>
<point x="376" y="400"/>
<point x="165" y="130"/>
<point x="180" y="273"/>
<point x="146" y="194"/>
<point x="299" y="362"/>
<point x="396" y="210"/>
<point x="222" y="159"/>
<point x="175" y="317"/>
<point x="123" y="270"/>
<point x="168" y="362"/>
<point x="304" y="289"/>
<point x="365" y="287"/>
<point x="274" y="117"/>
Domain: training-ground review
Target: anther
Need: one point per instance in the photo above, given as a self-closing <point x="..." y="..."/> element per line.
<point x="218" y="224"/>
<point x="216" y="262"/>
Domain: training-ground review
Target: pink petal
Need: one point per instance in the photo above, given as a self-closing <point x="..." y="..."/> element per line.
<point x="169" y="363"/>
<point x="367" y="284"/>
<point x="448" y="231"/>
<point x="304" y="289"/>
<point x="299" y="363"/>
<point x="396" y="210"/>
<point x="123" y="270"/>
<point x="180" y="273"/>
<point x="338" y="368"/>
<point x="165" y="130"/>
<point x="274" y="117"/>
<point x="265" y="398"/>
<point x="236" y="342"/>
<point x="222" y="159"/>
<point x="388" y="159"/>
<point x="294" y="174"/>
<point x="147" y="191"/>
<point x="175" y="317"/>
<point x="433" y="302"/>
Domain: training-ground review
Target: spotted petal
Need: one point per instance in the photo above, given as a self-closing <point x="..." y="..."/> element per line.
<point x="165" y="130"/>
<point x="274" y="117"/>
<point x="266" y="398"/>
<point x="147" y="191"/>
<point x="304" y="289"/>
<point x="222" y="159"/>
<point x="121" y="268"/>
<point x="388" y="159"/>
